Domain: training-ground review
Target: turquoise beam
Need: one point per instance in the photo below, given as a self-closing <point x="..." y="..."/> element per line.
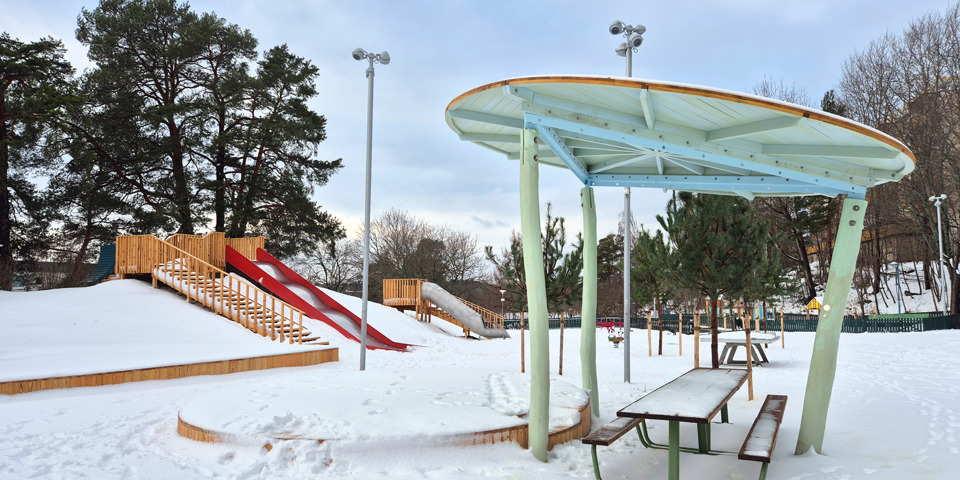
<point x="588" y="315"/>
<point x="539" y="418"/>
<point x="823" y="364"/>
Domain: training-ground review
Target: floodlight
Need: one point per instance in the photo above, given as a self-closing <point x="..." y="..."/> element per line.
<point x="359" y="54"/>
<point x="384" y="58"/>
<point x="634" y="40"/>
<point x="941" y="197"/>
<point x="622" y="50"/>
<point x="640" y="29"/>
<point x="616" y="28"/>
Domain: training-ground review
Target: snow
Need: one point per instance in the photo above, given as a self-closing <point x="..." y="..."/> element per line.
<point x="893" y="415"/>
<point x="763" y="431"/>
<point x="696" y="394"/>
<point x="741" y="337"/>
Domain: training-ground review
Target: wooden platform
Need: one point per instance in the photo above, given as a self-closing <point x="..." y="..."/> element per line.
<point x="517" y="434"/>
<point x="222" y="367"/>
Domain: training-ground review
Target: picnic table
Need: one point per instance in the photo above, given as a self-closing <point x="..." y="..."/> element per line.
<point x="694" y="397"/>
<point x="734" y="340"/>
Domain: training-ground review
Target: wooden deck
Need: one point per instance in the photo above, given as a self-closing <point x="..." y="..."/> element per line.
<point x="222" y="367"/>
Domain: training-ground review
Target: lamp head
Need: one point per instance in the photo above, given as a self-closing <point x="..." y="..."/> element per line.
<point x="359" y="54"/>
<point x="940" y="197"/>
<point x="640" y="29"/>
<point x="622" y="50"/>
<point x="634" y="40"/>
<point x="384" y="57"/>
<point x="616" y="28"/>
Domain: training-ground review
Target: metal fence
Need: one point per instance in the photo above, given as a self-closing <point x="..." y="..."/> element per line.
<point x="791" y="323"/>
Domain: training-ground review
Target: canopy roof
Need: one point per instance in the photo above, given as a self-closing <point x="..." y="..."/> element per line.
<point x="618" y="131"/>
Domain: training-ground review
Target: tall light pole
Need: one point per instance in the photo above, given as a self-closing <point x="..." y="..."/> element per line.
<point x="634" y="36"/>
<point x="502" y="299"/>
<point x="382" y="58"/>
<point x="937" y="201"/>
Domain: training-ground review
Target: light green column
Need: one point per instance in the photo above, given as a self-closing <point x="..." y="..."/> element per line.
<point x="823" y="364"/>
<point x="588" y="316"/>
<point x="539" y="417"/>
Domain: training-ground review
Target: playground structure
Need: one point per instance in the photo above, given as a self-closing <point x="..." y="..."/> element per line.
<point x="238" y="279"/>
<point x="428" y="299"/>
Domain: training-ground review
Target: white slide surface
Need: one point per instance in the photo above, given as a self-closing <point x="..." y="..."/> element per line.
<point x="459" y="310"/>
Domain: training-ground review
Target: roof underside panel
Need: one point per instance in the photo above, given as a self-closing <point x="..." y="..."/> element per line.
<point x="629" y="132"/>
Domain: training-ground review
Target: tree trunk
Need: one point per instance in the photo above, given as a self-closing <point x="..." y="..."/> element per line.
<point x="181" y="192"/>
<point x="807" y="274"/>
<point x="6" y="222"/>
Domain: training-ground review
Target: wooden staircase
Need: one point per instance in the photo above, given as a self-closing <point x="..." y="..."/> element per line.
<point x="225" y="294"/>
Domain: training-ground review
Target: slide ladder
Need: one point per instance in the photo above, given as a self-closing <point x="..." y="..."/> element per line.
<point x="225" y="294"/>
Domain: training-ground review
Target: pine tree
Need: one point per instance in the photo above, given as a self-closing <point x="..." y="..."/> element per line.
<point x="719" y="245"/>
<point x="34" y="90"/>
<point x="651" y="260"/>
<point x="561" y="271"/>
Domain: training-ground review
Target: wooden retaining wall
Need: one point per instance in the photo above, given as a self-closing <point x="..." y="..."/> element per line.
<point x="221" y="367"/>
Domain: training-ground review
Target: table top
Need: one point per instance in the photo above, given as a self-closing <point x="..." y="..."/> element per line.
<point x="741" y="337"/>
<point x="696" y="396"/>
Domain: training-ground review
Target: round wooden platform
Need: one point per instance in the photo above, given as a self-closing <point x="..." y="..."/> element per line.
<point x="410" y="416"/>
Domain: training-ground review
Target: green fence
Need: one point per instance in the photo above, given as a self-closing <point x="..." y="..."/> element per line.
<point x="791" y="323"/>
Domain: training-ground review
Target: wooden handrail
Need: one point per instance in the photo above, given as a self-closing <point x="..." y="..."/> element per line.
<point x="203" y="282"/>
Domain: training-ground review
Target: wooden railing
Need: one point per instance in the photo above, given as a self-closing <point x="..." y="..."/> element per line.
<point x="211" y="247"/>
<point x="400" y="292"/>
<point x="203" y="282"/>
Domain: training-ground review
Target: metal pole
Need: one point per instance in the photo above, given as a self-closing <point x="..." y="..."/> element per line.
<point x="899" y="297"/>
<point x="626" y="284"/>
<point x="943" y="267"/>
<point x="366" y="220"/>
<point x="626" y="257"/>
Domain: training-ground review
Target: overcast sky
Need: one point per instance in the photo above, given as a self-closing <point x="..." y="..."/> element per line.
<point x="440" y="49"/>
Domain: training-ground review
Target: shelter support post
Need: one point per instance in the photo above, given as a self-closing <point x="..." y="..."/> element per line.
<point x="538" y="419"/>
<point x="823" y="363"/>
<point x="588" y="316"/>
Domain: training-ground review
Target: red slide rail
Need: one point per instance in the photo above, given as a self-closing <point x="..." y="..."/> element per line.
<point x="236" y="261"/>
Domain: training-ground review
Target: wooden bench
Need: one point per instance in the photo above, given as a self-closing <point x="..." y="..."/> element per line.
<point x="608" y="434"/>
<point x="762" y="438"/>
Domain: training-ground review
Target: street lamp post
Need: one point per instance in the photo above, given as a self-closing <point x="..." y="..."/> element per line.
<point x="634" y="36"/>
<point x="937" y="201"/>
<point x="502" y="299"/>
<point x="382" y="58"/>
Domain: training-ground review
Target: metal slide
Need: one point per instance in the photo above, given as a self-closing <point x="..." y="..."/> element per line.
<point x="456" y="308"/>
<point x="278" y="279"/>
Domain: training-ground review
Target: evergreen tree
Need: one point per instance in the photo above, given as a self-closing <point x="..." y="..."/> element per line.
<point x="719" y="245"/>
<point x="176" y="114"/>
<point x="34" y="91"/>
<point x="561" y="271"/>
<point x="651" y="260"/>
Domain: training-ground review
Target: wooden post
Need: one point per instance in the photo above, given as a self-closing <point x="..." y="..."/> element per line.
<point x="562" y="321"/>
<point x="783" y="341"/>
<point x="680" y="331"/>
<point x="588" y="316"/>
<point x="696" y="340"/>
<point x="749" y="360"/>
<point x="523" y="353"/>
<point x="538" y="420"/>
<point x="649" y="335"/>
<point x="823" y="363"/>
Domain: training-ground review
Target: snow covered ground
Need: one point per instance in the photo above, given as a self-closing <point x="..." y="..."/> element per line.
<point x="894" y="412"/>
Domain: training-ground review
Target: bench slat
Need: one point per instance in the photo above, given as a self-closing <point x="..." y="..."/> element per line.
<point x="610" y="432"/>
<point x="762" y="438"/>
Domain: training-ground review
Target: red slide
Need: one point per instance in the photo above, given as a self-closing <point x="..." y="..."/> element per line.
<point x="278" y="279"/>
